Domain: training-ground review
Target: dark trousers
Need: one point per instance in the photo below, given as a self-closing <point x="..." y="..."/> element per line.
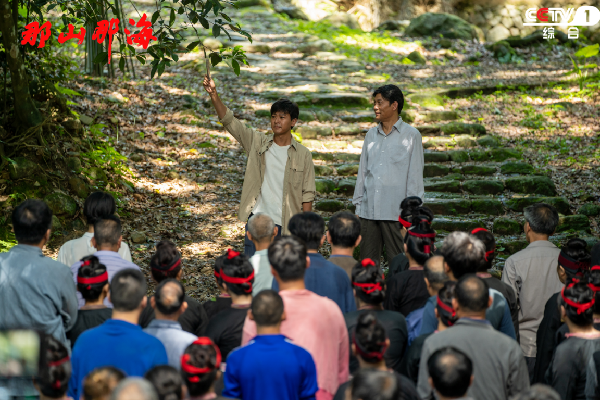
<point x="376" y="234"/>
<point x="530" y="367"/>
<point x="249" y="247"/>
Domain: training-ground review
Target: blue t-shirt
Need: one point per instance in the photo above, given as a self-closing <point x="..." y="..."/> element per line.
<point x="328" y="280"/>
<point x="270" y="367"/>
<point x="116" y="343"/>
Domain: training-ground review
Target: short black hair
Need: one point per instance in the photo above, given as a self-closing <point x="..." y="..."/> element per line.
<point x="31" y="220"/>
<point x="287" y="106"/>
<point x="169" y="300"/>
<point x="167" y="382"/>
<point x="463" y="253"/>
<point x="472" y="293"/>
<point x="308" y="226"/>
<point x="450" y="370"/>
<point x="267" y="308"/>
<point x="127" y="289"/>
<point x="344" y="229"/>
<point x="487" y="238"/>
<point x="542" y="218"/>
<point x="98" y="205"/>
<point x="287" y="256"/>
<point x="391" y="93"/>
<point x="107" y="230"/>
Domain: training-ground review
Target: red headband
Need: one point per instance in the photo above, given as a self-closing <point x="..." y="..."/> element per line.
<point x="404" y="222"/>
<point x="217" y="275"/>
<point x="190" y="369"/>
<point x="422" y="235"/>
<point x="427" y="249"/>
<point x="446" y="308"/>
<point x="366" y="262"/>
<point x="572" y="264"/>
<point x="489" y="253"/>
<point x="58" y="362"/>
<point x="171" y="268"/>
<point x="85" y="263"/>
<point x="378" y="355"/>
<point x="474" y="231"/>
<point x="230" y="279"/>
<point x="232" y="254"/>
<point x="579" y="307"/>
<point x="369" y="288"/>
<point x="96" y="279"/>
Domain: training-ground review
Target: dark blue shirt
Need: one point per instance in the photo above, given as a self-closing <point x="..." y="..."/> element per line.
<point x="327" y="279"/>
<point x="270" y="367"/>
<point x="114" y="343"/>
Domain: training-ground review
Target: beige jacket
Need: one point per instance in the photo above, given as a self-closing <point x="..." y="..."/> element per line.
<point x="298" y="180"/>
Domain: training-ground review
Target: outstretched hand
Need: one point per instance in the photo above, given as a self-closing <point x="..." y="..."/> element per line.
<point x="209" y="86"/>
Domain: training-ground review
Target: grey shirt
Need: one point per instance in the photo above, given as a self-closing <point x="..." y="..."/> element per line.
<point x="499" y="369"/>
<point x="532" y="274"/>
<point x="36" y="292"/>
<point x="172" y="337"/>
<point x="391" y="169"/>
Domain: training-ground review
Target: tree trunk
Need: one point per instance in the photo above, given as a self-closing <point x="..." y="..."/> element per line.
<point x="26" y="114"/>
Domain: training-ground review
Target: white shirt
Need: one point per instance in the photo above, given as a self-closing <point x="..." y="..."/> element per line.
<point x="74" y="250"/>
<point x="270" y="199"/>
<point x="262" y="272"/>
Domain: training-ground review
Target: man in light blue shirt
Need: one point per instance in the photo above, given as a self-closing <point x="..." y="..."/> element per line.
<point x="261" y="231"/>
<point x="169" y="303"/>
<point x="107" y="239"/>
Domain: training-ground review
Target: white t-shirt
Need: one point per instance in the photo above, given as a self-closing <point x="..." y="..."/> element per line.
<point x="74" y="250"/>
<point x="270" y="199"/>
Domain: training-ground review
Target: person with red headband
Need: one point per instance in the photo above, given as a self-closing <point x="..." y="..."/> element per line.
<point x="370" y="344"/>
<point x="499" y="368"/>
<point x="92" y="283"/>
<point x="201" y="368"/>
<point x="410" y="206"/>
<point x="567" y="371"/>
<point x="223" y="300"/>
<point x="446" y="316"/>
<point x="55" y="370"/>
<point x="488" y="240"/>
<point x="166" y="263"/>
<point x="407" y="290"/>
<point x="369" y="291"/>
<point x="270" y="366"/>
<point x="225" y="328"/>
<point x="573" y="266"/>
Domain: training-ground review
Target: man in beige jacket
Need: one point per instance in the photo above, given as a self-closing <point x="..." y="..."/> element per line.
<point x="280" y="175"/>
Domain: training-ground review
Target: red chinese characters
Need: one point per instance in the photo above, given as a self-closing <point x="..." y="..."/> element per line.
<point x="144" y="37"/>
<point x="33" y="29"/>
<point x="64" y="37"/>
<point x="105" y="27"/>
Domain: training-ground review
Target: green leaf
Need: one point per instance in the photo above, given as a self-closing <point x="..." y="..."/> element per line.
<point x="216" y="30"/>
<point x="101" y="58"/>
<point x="193" y="45"/>
<point x="204" y="22"/>
<point x="153" y="71"/>
<point x="215" y="59"/>
<point x="226" y="17"/>
<point x="161" y="68"/>
<point x="236" y="67"/>
<point x="172" y="18"/>
<point x="587" y="66"/>
<point x="155" y="16"/>
<point x="575" y="66"/>
<point x="181" y="10"/>
<point x="175" y="57"/>
<point x="588" y="51"/>
<point x="122" y="64"/>
<point x="66" y="91"/>
<point x="141" y="59"/>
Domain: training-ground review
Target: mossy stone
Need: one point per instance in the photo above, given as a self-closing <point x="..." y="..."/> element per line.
<point x="347" y="130"/>
<point x="335" y="145"/>
<point x="98" y="177"/>
<point x="428" y="100"/>
<point x="436" y="157"/>
<point x="408" y="115"/>
<point x="465" y="141"/>
<point x="21" y="168"/>
<point x="322" y="156"/>
<point x="574" y="222"/>
<point x="323" y="116"/>
<point x="514" y="246"/>
<point x="61" y="204"/>
<point x="361" y="117"/>
<point x="483" y="186"/>
<point x="487" y="206"/>
<point x="450" y="186"/>
<point x="431" y="170"/>
<point x="451" y="225"/>
<point x="438" y="115"/>
<point x="478" y="169"/>
<point x="56" y="225"/>
<point x="449" y="207"/>
<point x="311" y="132"/>
<point x="439" y="141"/>
<point x="488" y="141"/>
<point x="504" y="154"/>
<point x="589" y="209"/>
<point x="531" y="184"/>
<point x="519" y="203"/>
<point x="480" y="155"/>
<point x="346" y="156"/>
<point x="417" y="58"/>
<point x="347" y="169"/>
<point x="457" y="128"/>
<point x="329" y="205"/>
<point x="347" y="185"/>
<point x="516" y="168"/>
<point x="323" y="170"/>
<point x="74" y="164"/>
<point x="306" y="116"/>
<point x="78" y="187"/>
<point x="507" y="226"/>
<point x="262" y="113"/>
<point x="458" y="156"/>
<point x="324" y="185"/>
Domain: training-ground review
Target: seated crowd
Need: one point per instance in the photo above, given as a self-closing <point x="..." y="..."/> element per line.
<point x="288" y="323"/>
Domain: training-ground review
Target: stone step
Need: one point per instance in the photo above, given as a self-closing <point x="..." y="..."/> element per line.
<point x="532" y="184"/>
<point x="490" y="206"/>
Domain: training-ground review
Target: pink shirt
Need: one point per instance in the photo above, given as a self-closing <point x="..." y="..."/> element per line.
<point x="317" y="324"/>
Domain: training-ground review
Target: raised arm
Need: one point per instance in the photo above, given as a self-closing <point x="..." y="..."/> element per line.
<point x="211" y="89"/>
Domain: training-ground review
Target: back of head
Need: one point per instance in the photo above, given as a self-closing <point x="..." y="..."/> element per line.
<point x="199" y="365"/>
<point x="578" y="300"/>
<point x="31" y="220"/>
<point x="444" y="308"/>
<point x="373" y="384"/>
<point x="169" y="296"/>
<point x="369" y="338"/>
<point x="574" y="258"/>
<point x="107" y="231"/>
<point x="237" y="273"/>
<point x="91" y="278"/>
<point x="261" y="227"/>
<point x="344" y="229"/>
<point x="267" y="308"/>
<point x="433" y="270"/>
<point x="409" y="205"/>
<point x="391" y="93"/>
<point x="166" y="261"/>
<point x="450" y="370"/>
<point x="287" y="107"/>
<point x="55" y="368"/>
<point x="309" y="227"/>
<point x="218" y="267"/>
<point x="463" y="253"/>
<point x="101" y="382"/>
<point x="538" y="391"/>
<point x="420" y="237"/>
<point x="287" y="256"/>
<point x="166" y="381"/>
<point x="368" y="282"/>
<point x="472" y="294"/>
<point x="134" y="389"/>
<point x="542" y="218"/>
<point x="98" y="205"/>
<point x="487" y="238"/>
<point x="594" y="284"/>
<point x="127" y="289"/>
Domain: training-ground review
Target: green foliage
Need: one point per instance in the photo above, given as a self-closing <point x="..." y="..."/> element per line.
<point x="581" y="70"/>
<point x="106" y="157"/>
<point x="66" y="91"/>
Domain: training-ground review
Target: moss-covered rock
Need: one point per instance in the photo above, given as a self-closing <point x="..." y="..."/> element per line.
<point x="531" y="185"/>
<point x="458" y="156"/>
<point x="450" y="186"/>
<point x="61" y="204"/>
<point x="436" y="115"/>
<point x="323" y="116"/>
<point x="74" y="164"/>
<point x="516" y="168"/>
<point x="262" y="113"/>
<point x="78" y="187"/>
<point x="307" y="116"/>
<point x="56" y="225"/>
<point x="347" y="185"/>
<point x="323" y="170"/>
<point x="347" y="130"/>
<point x="457" y="128"/>
<point x="465" y="141"/>
<point x="441" y="24"/>
<point x="478" y="169"/>
<point x="21" y="168"/>
<point x="324" y="185"/>
<point x="507" y="226"/>
<point x="322" y="156"/>
<point x="311" y="132"/>
<point x="573" y="222"/>
<point x="483" y="186"/>
<point x="439" y="141"/>
<point x="487" y="206"/>
<point x="408" y="116"/>
<point x="451" y="225"/>
<point x="347" y="169"/>
<point x="431" y="170"/>
<point x="335" y="145"/>
<point x="427" y="100"/>
<point x="504" y="154"/>
<point x="416" y="57"/>
<point x="98" y="177"/>
<point x="436" y="157"/>
<point x="346" y="156"/>
<point x="519" y="203"/>
<point x="449" y="207"/>
<point x="488" y="141"/>
<point x="513" y="246"/>
<point x="329" y="205"/>
<point x="589" y="209"/>
<point x="360" y="117"/>
<point x="480" y="155"/>
<point x="336" y="99"/>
